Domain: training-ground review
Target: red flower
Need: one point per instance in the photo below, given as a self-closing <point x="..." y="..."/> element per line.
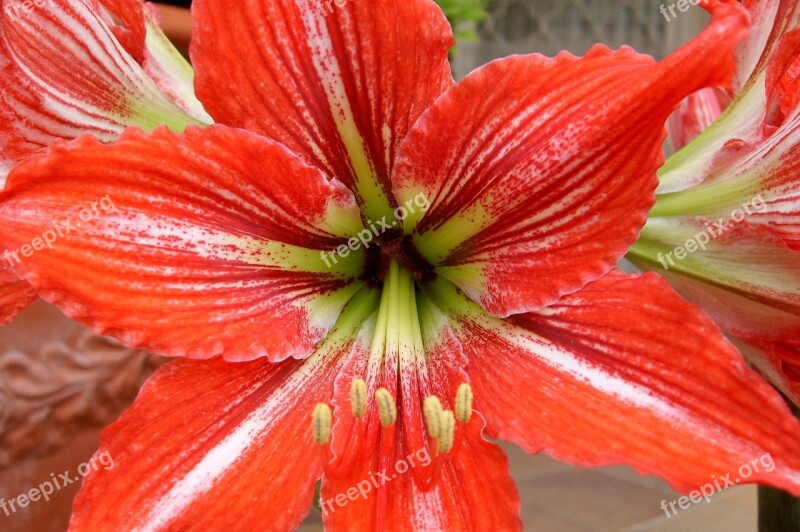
<point x="362" y="239"/>
<point x="725" y="230"/>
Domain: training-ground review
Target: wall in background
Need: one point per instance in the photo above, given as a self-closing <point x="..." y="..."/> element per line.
<point x="548" y="26"/>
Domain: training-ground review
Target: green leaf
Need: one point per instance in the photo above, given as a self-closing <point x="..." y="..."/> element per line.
<point x="463" y="15"/>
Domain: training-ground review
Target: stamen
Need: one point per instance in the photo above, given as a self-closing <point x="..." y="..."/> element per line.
<point x="321" y="424"/>
<point x="463" y="407"/>
<point x="447" y="434"/>
<point x="387" y="410"/>
<point x="358" y="398"/>
<point x="432" y="409"/>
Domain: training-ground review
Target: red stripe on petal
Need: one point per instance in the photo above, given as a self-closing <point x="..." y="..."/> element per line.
<point x="191" y="245"/>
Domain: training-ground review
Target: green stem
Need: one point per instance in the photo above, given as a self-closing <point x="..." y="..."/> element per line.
<point x="778" y="511"/>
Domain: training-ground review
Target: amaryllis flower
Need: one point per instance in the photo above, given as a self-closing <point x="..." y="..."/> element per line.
<point x="75" y="67"/>
<point x="725" y="230"/>
<point x="364" y="267"/>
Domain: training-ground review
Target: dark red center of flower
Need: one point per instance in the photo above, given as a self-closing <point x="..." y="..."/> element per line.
<point x="393" y="246"/>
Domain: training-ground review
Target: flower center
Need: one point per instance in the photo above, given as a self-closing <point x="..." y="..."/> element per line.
<point x="401" y="250"/>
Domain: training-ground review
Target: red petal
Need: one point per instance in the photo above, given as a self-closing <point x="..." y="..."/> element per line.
<point x="695" y="114"/>
<point x="540" y="172"/>
<point x="625" y="371"/>
<point x="15" y="295"/>
<point x="475" y="491"/>
<point x="209" y="443"/>
<point x="789" y="88"/>
<point x="773" y="21"/>
<point x="64" y="74"/>
<point x="200" y="245"/>
<point x="205" y="441"/>
<point x="128" y="24"/>
<point x="339" y="85"/>
<point x="746" y="280"/>
<point x="739" y="314"/>
<point x="778" y="361"/>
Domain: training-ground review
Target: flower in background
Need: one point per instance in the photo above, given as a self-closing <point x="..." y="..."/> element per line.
<point x="537" y="174"/>
<point x="725" y="230"/>
<point x="56" y="83"/>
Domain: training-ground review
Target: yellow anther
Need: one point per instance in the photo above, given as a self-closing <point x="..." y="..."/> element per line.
<point x="463" y="406"/>
<point x="358" y="398"/>
<point x="432" y="409"/>
<point x="447" y="434"/>
<point x="387" y="410"/>
<point x="321" y="424"/>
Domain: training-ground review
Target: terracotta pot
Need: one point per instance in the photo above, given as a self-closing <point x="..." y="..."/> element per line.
<point x="60" y="384"/>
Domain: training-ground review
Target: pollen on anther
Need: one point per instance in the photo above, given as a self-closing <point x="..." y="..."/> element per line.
<point x="358" y="398"/>
<point x="463" y="406"/>
<point x="321" y="423"/>
<point x="432" y="410"/>
<point x="387" y="410"/>
<point x="447" y="434"/>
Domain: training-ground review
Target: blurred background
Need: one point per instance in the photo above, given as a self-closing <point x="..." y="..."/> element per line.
<point x="489" y="29"/>
<point x="60" y="384"/>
